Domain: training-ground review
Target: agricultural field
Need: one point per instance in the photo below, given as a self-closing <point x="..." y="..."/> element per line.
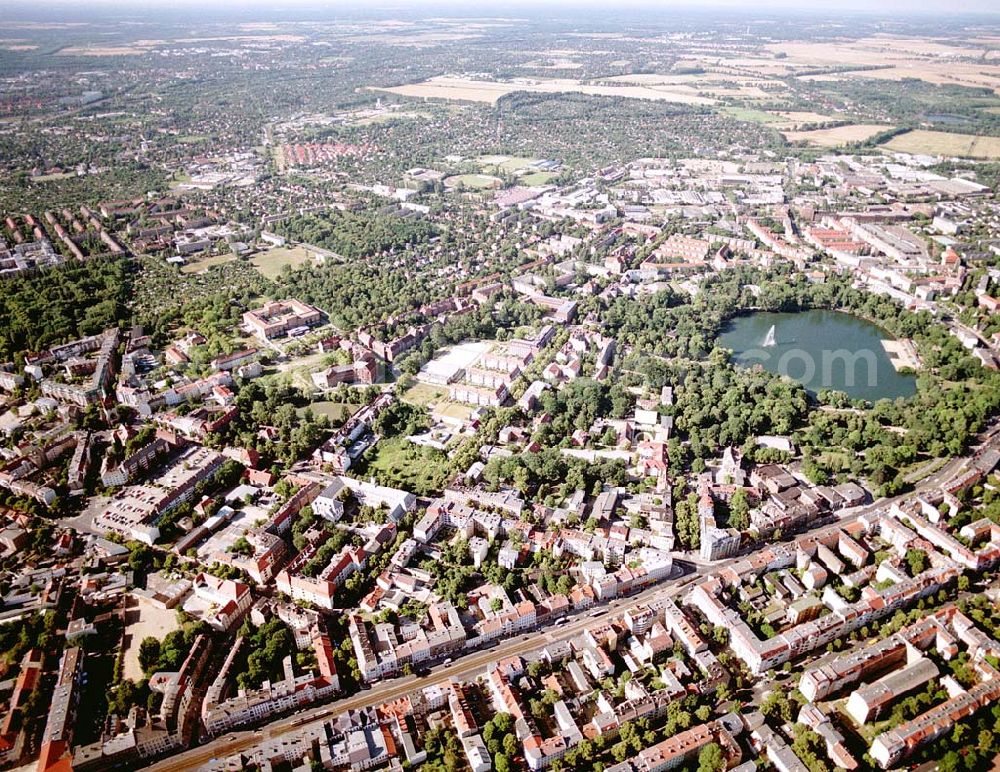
<point x="923" y="142"/>
<point x="271" y="263"/>
<point x="894" y="58"/>
<point x="837" y="136"/>
<point x="709" y="84"/>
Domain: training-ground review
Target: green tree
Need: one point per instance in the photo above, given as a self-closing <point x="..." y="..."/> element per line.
<point x="711" y="758"/>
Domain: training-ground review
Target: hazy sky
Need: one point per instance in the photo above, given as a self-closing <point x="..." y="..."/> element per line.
<point x="470" y="7"/>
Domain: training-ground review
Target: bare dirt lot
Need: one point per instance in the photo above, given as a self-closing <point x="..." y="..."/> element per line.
<point x="143" y="619"/>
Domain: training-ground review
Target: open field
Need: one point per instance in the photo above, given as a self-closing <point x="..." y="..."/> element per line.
<point x="454" y="410"/>
<point x="141" y="621"/>
<point x="537" y="178"/>
<point x="435" y="399"/>
<point x="941" y="62"/>
<point x="473" y="181"/>
<point x="298" y="371"/>
<point x="203" y="263"/>
<point x="840" y="135"/>
<point x="178" y="180"/>
<point x="469" y="90"/>
<point x="400" y="463"/>
<point x="794" y="119"/>
<point x="781" y="120"/>
<point x="337" y="412"/>
<point x="750" y="114"/>
<point x="424" y="394"/>
<point x="271" y="263"/>
<point x="107" y="51"/>
<point x="559" y="63"/>
<point x="922" y="142"/>
<point x="506" y="163"/>
<point x="53" y="177"/>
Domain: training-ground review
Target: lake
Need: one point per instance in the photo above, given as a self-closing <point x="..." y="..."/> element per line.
<point x="819" y="349"/>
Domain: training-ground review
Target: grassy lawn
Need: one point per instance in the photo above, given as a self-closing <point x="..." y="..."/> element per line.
<point x="298" y="371"/>
<point x="53" y="176"/>
<point x="835" y="459"/>
<point x="401" y="464"/>
<point x="435" y="399"/>
<point x="922" y="468"/>
<point x="537" y="178"/>
<point x="337" y="412"/>
<point x="749" y="114"/>
<point x="179" y="179"/>
<point x="203" y="263"/>
<point x="473" y="181"/>
<point x="271" y="263"/>
<point x="424" y="394"/>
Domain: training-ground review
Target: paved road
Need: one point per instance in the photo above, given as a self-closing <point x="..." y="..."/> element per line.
<point x="471" y="665"/>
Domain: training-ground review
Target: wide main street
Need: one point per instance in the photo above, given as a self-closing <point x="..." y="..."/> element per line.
<point x="470" y="665"/>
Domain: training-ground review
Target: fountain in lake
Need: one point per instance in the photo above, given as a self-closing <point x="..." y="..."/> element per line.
<point x="769" y="339"/>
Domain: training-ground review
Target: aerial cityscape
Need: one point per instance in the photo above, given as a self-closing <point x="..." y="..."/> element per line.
<point x="539" y="386"/>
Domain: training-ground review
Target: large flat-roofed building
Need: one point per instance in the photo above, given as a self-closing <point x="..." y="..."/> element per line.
<point x="278" y="317"/>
